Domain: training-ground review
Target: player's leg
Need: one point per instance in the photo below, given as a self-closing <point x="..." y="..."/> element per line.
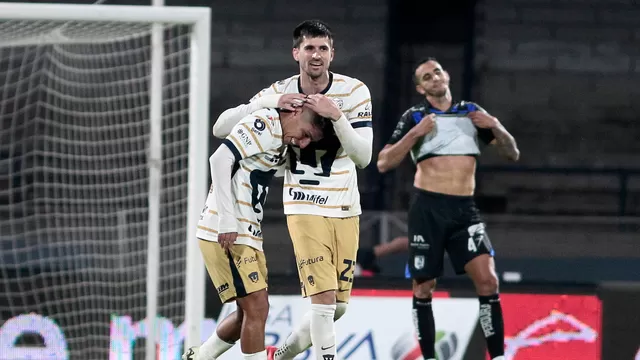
<point x="239" y="275"/>
<point x="426" y="252"/>
<point x="470" y="251"/>
<point x="228" y="331"/>
<point x="313" y="241"/>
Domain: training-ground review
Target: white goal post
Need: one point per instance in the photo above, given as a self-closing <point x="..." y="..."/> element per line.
<point x="122" y="93"/>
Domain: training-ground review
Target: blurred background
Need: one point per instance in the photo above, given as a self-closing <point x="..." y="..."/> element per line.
<point x="563" y="76"/>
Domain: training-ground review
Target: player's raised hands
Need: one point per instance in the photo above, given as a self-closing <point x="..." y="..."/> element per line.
<point x="425" y="125"/>
<point x="323" y="106"/>
<point x="291" y="101"/>
<point x="483" y="120"/>
<point x="226" y="240"/>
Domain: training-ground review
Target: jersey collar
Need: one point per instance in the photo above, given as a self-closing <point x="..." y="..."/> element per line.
<point x="321" y="92"/>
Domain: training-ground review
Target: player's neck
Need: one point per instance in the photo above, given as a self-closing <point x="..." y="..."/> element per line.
<point x="442" y="103"/>
<point x="311" y="85"/>
<point x="285" y="122"/>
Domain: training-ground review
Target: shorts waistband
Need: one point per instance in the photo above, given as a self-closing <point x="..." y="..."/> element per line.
<point x="437" y="195"/>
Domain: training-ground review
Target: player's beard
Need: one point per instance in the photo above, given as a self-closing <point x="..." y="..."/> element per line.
<point x="437" y="93"/>
<point x="315" y="74"/>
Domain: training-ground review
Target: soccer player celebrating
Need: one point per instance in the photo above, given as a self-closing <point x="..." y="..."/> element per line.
<point x="443" y="139"/>
<point x="321" y="198"/>
<point x="229" y="229"/>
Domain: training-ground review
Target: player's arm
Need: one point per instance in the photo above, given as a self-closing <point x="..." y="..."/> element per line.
<point x="404" y="137"/>
<point x="491" y="131"/>
<point x="356" y="137"/>
<point x="222" y="162"/>
<point x="267" y="98"/>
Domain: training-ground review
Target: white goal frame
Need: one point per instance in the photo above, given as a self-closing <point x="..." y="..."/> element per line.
<point x="198" y="175"/>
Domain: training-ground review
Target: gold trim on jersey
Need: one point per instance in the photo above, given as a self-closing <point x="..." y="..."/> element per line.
<point x="239" y="235"/>
<point x="312" y="203"/>
<point x="247" y="185"/>
<point x="315" y="188"/>
<point x="243" y="203"/>
<point x="236" y="142"/>
<point x="341" y="156"/>
<point x="255" y="138"/>
<point x="273" y="86"/>
<point x="358" y="105"/>
<point x="340" y="172"/>
<point x="346" y="94"/>
<point x="239" y="219"/>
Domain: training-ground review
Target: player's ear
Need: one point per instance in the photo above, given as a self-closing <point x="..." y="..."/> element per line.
<point x="419" y="89"/>
<point x="333" y="53"/>
<point x="296" y="53"/>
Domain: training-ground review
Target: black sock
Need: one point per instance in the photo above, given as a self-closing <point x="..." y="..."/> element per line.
<point x="425" y="326"/>
<point x="492" y="324"/>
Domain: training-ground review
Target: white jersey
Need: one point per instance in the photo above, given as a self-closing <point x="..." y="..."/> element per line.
<point x="256" y="142"/>
<point x="321" y="179"/>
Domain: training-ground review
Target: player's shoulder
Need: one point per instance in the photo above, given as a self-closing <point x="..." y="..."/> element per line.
<point x="468" y="106"/>
<point x="287" y="85"/>
<point x="346" y="84"/>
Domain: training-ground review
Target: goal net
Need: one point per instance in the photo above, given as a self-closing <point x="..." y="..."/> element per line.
<point x="83" y="192"/>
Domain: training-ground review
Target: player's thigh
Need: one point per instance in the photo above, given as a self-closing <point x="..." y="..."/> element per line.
<point x="467" y="243"/>
<point x="426" y="240"/>
<point x="237" y="274"/>
<point x="347" y="232"/>
<point x="314" y="245"/>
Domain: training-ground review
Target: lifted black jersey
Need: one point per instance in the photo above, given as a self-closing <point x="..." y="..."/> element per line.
<point x="453" y="133"/>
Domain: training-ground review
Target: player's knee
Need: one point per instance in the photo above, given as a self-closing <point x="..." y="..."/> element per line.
<point x="256" y="305"/>
<point x="324" y="298"/>
<point x="423" y="289"/>
<point x="487" y="285"/>
<point x="341" y="308"/>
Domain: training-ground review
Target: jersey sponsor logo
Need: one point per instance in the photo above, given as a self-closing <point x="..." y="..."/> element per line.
<point x="302" y="196"/>
<point x="338" y="102"/>
<point x="244" y="137"/>
<point x="250" y="259"/>
<point x="363" y="114"/>
<point x="259" y="125"/>
<point x="222" y="288"/>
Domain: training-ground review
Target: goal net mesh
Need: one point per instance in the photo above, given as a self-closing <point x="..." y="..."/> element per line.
<point x="74" y="184"/>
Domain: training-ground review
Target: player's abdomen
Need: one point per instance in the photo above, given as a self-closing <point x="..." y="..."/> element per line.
<point x="451" y="175"/>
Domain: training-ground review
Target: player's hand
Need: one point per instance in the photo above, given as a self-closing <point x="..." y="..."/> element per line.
<point x="226" y="240"/>
<point x="483" y="120"/>
<point x="425" y="125"/>
<point x="323" y="106"/>
<point x="291" y="101"/>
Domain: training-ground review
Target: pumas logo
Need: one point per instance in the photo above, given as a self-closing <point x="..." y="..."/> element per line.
<point x="302" y="196"/>
<point x="339" y="102"/>
<point x="311" y="281"/>
<point x="254" y="231"/>
<point x="254" y="277"/>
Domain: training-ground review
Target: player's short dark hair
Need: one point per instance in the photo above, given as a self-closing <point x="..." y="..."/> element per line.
<point x="420" y="62"/>
<point x="313" y="29"/>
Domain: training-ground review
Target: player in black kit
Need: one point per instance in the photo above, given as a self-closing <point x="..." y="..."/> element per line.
<point x="443" y="137"/>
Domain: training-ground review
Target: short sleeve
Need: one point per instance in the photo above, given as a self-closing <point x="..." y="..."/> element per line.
<point x="251" y="136"/>
<point x="407" y="121"/>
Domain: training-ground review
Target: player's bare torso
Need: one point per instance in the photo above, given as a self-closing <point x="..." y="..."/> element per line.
<point x="453" y="175"/>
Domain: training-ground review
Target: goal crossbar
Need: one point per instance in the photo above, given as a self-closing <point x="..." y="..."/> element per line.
<point x="113" y="13"/>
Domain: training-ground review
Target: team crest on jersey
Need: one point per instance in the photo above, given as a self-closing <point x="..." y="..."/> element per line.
<point x="338" y="102"/>
<point x="418" y="262"/>
<point x="254" y="277"/>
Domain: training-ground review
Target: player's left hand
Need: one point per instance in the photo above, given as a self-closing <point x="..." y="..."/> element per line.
<point x="323" y="106"/>
<point x="483" y="120"/>
<point x="227" y="240"/>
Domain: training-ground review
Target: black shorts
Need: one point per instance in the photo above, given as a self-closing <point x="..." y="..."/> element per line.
<point x="439" y="222"/>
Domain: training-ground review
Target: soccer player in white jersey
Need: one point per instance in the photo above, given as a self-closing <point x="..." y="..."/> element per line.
<point x="229" y="232"/>
<point x="321" y="197"/>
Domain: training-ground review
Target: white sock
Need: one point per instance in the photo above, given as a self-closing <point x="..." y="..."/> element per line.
<point x="323" y="332"/>
<point x="300" y="339"/>
<point x="297" y="342"/>
<point x="213" y="347"/>
<point x="262" y="355"/>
